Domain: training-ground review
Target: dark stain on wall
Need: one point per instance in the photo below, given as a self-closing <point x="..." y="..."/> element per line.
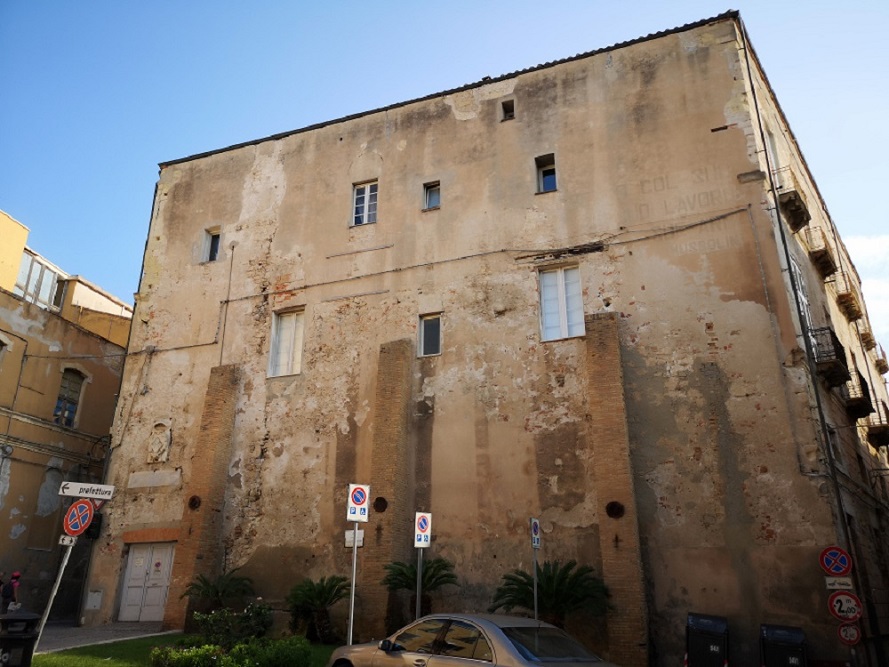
<point x="557" y="459"/>
<point x="738" y="525"/>
<point x="423" y="426"/>
<point x="346" y="467"/>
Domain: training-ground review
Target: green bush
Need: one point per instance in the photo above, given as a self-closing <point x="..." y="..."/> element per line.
<point x="198" y="656"/>
<point x="291" y="652"/>
<point x="226" y="628"/>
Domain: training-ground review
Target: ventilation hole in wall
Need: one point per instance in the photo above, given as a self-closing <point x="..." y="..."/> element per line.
<point x="614" y="509"/>
<point x="380" y="504"/>
<point x="194" y="502"/>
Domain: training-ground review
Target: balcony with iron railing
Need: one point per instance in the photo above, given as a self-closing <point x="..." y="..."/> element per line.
<point x="793" y="202"/>
<point x="880" y="360"/>
<point x="856" y="395"/>
<point x="820" y="251"/>
<point x="878" y="426"/>
<point x="830" y="357"/>
<point x="848" y="295"/>
<point x="867" y="336"/>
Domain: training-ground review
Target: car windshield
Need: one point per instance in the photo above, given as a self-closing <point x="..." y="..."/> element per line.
<point x="547" y="644"/>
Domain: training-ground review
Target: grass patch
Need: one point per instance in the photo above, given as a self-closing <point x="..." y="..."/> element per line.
<point x="134" y="653"/>
<point x="321" y="653"/>
<point x="125" y="653"/>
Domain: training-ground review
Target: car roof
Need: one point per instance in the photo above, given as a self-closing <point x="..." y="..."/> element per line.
<point x="499" y="620"/>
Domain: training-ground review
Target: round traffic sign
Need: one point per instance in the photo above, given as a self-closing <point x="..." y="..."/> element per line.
<point x="849" y="633"/>
<point x="78" y="517"/>
<point x="844" y="605"/>
<point x="836" y="561"/>
<point x="359" y="497"/>
<point x="423" y="523"/>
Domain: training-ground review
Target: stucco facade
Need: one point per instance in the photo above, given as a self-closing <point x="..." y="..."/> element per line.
<point x="674" y="421"/>
<point x="62" y="346"/>
<point x="50" y="432"/>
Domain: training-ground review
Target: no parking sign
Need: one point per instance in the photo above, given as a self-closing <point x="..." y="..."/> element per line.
<point x="422" y="530"/>
<point x="358" y="503"/>
<point x="78" y="517"/>
<point x="535" y="533"/>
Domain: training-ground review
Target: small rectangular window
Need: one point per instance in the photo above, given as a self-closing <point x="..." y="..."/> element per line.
<point x="561" y="303"/>
<point x="546" y="173"/>
<point x="507" y="110"/>
<point x="211" y="245"/>
<point x="285" y="353"/>
<point x="69" y="397"/>
<point x="364" y="201"/>
<point x="432" y="195"/>
<point x="430" y="335"/>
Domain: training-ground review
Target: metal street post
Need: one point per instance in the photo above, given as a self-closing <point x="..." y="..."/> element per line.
<point x="357" y="512"/>
<point x="69" y="541"/>
<point x="422" y="539"/>
<point x="535" y="545"/>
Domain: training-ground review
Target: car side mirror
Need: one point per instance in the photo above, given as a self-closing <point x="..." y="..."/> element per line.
<point x="386" y="646"/>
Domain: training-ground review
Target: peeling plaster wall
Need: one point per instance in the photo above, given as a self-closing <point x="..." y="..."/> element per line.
<point x="655" y="144"/>
<point x="38" y="346"/>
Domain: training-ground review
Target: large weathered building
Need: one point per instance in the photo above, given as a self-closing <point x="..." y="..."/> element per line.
<point x="62" y="345"/>
<point x="604" y="291"/>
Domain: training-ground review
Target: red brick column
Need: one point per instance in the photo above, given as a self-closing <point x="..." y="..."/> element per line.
<point x="388" y="536"/>
<point x="613" y="476"/>
<point x="199" y="547"/>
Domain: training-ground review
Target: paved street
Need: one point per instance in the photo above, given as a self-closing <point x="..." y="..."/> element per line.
<point x="60" y="636"/>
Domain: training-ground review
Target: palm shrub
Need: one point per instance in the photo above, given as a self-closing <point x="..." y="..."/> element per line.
<point x="220" y="591"/>
<point x="437" y="573"/>
<point x="562" y="590"/>
<point x="310" y="602"/>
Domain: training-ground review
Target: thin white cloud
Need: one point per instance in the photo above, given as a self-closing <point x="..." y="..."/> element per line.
<point x="870" y="254"/>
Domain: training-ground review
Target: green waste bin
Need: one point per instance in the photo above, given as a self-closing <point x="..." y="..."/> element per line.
<point x="18" y="637"/>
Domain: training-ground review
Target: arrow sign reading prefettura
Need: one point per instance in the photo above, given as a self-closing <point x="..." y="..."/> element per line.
<point x="82" y="490"/>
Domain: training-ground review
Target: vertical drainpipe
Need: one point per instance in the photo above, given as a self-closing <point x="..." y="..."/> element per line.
<point x="810" y="353"/>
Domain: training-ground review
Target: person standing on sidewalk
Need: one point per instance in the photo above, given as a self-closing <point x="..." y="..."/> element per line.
<point x="10" y="592"/>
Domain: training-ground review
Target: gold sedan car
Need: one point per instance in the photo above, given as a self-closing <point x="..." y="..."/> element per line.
<point x="470" y="640"/>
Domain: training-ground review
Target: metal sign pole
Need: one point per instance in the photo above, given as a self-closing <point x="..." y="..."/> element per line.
<point x="535" y="546"/>
<point x="354" y="570"/>
<point x="52" y="595"/>
<point x="419" y="582"/>
<point x="535" y="583"/>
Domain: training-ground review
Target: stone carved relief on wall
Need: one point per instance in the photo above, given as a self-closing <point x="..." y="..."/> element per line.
<point x="159" y="441"/>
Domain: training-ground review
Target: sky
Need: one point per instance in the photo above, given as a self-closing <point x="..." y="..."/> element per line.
<point x="96" y="94"/>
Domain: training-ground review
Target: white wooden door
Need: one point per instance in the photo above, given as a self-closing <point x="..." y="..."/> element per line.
<point x="146" y="582"/>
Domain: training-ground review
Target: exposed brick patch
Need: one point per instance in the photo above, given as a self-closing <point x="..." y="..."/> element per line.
<point x="389" y="534"/>
<point x="150" y="535"/>
<point x="199" y="544"/>
<point x="613" y="476"/>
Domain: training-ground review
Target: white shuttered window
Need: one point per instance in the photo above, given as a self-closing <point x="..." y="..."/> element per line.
<point x="561" y="303"/>
<point x="285" y="356"/>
